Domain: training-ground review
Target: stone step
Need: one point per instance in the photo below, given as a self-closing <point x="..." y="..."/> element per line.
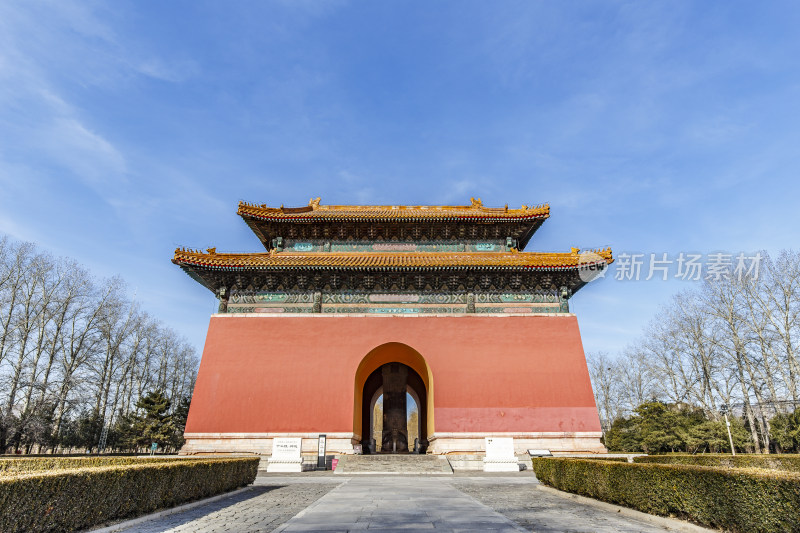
<point x="393" y="464"/>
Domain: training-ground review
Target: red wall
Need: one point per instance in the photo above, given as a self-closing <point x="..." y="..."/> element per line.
<point x="296" y="374"/>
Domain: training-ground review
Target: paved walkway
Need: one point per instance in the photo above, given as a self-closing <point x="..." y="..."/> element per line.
<point x="398" y="504"/>
<point x="395" y="503"/>
<point x="262" y="507"/>
<point x="540" y="511"/>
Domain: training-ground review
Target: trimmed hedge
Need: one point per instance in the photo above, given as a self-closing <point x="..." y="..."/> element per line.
<point x="67" y="500"/>
<point x="33" y="464"/>
<point x="787" y="462"/>
<point x="82" y="454"/>
<point x="742" y="500"/>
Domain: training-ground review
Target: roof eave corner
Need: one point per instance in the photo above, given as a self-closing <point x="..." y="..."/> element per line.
<point x="176" y="258"/>
<point x="607" y="254"/>
<point x="242" y="209"/>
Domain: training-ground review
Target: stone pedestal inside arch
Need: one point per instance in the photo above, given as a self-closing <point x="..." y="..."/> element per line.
<point x="395" y="431"/>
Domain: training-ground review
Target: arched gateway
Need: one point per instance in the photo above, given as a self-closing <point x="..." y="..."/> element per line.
<point x="347" y="302"/>
<point x="392" y="370"/>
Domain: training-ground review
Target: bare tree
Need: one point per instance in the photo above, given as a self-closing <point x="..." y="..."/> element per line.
<point x="732" y="341"/>
<point x="605" y="377"/>
<point x="13" y="280"/>
<point x="72" y="347"/>
<point x="115" y="325"/>
<point x="638" y="381"/>
<point x="779" y="304"/>
<point x="30" y="306"/>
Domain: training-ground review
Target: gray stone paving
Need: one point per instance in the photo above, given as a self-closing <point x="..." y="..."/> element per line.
<point x="539" y="511"/>
<point x="398" y="504"/>
<point x="331" y="503"/>
<point x="262" y="507"/>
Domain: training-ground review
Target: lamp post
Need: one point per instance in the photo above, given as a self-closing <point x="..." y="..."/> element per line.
<point x="724" y="410"/>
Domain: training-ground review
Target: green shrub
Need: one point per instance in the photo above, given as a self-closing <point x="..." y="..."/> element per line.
<point x="790" y="463"/>
<point x="66" y="500"/>
<point x="14" y="466"/>
<point x="743" y="500"/>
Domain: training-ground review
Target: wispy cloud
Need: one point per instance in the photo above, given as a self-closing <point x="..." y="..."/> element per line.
<point x="174" y="72"/>
<point x="50" y="54"/>
<point x="90" y="157"/>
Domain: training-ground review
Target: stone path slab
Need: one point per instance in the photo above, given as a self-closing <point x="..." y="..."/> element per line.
<point x="456" y="503"/>
<point x="398" y="504"/>
<point x="544" y="512"/>
<point x="263" y="507"/>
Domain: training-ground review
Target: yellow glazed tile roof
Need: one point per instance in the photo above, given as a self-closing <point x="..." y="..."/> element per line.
<point x="316" y="211"/>
<point x="416" y="260"/>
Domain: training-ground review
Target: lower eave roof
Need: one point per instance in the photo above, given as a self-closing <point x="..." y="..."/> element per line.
<point x="391" y="261"/>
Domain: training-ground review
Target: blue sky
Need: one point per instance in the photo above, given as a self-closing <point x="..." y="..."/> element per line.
<point x="130" y="128"/>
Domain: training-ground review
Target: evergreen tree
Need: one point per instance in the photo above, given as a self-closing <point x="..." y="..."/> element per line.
<point x="785" y="431"/>
<point x="179" y="421"/>
<point x="712" y="436"/>
<point x="122" y="434"/>
<point x="658" y="427"/>
<point x="623" y="436"/>
<point x="153" y="424"/>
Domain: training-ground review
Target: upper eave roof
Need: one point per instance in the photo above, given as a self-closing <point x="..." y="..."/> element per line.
<point x="316" y="212"/>
<point x="391" y="261"/>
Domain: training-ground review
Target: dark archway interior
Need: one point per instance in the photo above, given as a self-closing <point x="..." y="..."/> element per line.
<point x="389" y="376"/>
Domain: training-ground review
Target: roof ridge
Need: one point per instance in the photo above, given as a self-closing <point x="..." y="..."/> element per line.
<point x="317" y="209"/>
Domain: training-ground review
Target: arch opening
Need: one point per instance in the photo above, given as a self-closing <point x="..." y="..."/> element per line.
<point x="395" y="372"/>
<point x="413" y="422"/>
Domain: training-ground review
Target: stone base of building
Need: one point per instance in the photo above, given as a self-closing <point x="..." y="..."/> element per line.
<point x="556" y="442"/>
<point x="261" y="443"/>
<point x="440" y="443"/>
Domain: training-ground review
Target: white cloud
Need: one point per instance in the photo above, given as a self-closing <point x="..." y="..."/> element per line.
<point x="460" y="191"/>
<point x="170" y="72"/>
<point x="51" y="56"/>
<point x="91" y="158"/>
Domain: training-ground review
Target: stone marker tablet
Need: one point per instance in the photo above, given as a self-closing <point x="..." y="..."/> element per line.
<point x="540" y="453"/>
<point x="321" y="464"/>
<point x="500" y="455"/>
<point x="285" y="455"/>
